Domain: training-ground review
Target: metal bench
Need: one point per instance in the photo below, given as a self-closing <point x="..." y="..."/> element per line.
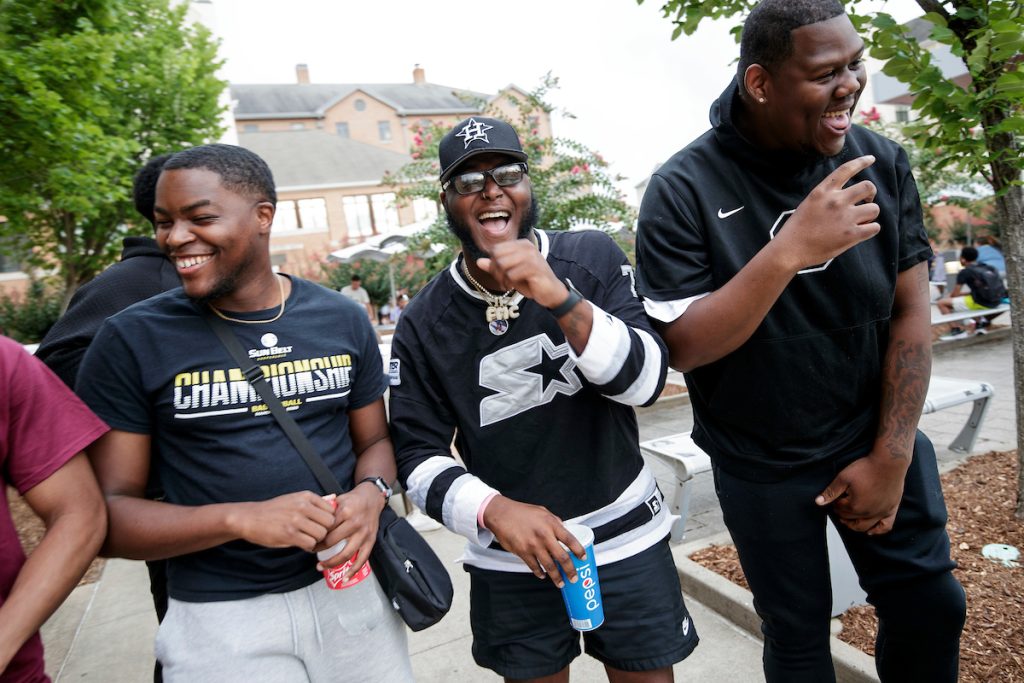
<point x="946" y="392"/>
<point x="957" y="316"/>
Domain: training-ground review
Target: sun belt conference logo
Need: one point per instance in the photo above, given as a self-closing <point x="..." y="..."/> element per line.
<point x="474" y="130"/>
<point x="269" y="340"/>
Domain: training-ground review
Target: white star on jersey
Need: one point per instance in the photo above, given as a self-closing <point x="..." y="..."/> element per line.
<point x="474" y="130"/>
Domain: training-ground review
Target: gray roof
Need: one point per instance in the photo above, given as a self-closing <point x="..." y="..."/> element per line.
<point x="305" y="100"/>
<point x="303" y="158"/>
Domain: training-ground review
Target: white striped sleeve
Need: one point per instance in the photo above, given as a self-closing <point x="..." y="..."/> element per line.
<point x="624" y="363"/>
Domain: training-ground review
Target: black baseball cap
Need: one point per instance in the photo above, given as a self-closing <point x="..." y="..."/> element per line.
<point x="477" y="135"/>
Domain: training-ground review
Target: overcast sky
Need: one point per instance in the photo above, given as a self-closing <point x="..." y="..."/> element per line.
<point x="637" y="95"/>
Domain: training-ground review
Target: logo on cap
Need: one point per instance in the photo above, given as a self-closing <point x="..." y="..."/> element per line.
<point x="474" y="130"/>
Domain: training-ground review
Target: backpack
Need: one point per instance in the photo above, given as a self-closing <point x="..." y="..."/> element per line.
<point x="987" y="287"/>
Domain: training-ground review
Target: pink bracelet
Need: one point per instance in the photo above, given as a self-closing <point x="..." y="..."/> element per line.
<point x="480" y="512"/>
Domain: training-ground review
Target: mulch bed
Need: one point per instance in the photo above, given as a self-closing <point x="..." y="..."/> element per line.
<point x="30" y="531"/>
<point x="981" y="497"/>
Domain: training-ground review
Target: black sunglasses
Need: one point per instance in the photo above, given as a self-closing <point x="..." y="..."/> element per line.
<point x="474" y="181"/>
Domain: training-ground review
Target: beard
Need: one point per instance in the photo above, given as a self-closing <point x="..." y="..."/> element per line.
<point x="465" y="236"/>
<point x="227" y="284"/>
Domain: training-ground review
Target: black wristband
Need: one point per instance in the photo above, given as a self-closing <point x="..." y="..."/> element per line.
<point x="574" y="298"/>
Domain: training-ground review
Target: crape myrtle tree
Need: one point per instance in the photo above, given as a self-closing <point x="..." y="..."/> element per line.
<point x="977" y="128"/>
<point x="89" y="90"/>
<point x="938" y="185"/>
<point x="571" y="183"/>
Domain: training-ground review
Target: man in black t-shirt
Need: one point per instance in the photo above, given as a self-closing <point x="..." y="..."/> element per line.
<point x="985" y="290"/>
<point x="242" y="513"/>
<point x="783" y="255"/>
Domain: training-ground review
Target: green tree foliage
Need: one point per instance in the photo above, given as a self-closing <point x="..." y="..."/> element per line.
<point x="571" y="182"/>
<point x="408" y="271"/>
<point x="977" y="128"/>
<point x="28" y="318"/>
<point x="89" y="90"/>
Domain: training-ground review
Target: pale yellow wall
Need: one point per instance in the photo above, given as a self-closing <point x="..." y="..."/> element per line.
<point x="362" y="125"/>
<point x="278" y="125"/>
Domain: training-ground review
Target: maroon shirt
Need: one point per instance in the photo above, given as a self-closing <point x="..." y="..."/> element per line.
<point x="42" y="426"/>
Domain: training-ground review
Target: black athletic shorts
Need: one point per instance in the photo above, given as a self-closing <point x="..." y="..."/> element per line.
<point x="521" y="629"/>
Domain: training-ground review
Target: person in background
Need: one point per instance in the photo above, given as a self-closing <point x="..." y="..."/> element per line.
<point x="986" y="291"/>
<point x="990" y="254"/>
<point x="142" y="272"/>
<point x="354" y="291"/>
<point x="784" y="256"/>
<point x="396" y="311"/>
<point x="43" y="430"/>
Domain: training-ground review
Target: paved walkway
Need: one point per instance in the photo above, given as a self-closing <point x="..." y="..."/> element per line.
<point x="104" y="632"/>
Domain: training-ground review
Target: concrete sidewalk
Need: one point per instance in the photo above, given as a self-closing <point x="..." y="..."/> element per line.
<point x="104" y="631"/>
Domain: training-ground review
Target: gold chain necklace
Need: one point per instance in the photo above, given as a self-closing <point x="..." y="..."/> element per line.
<point x="499" y="307"/>
<point x="280" y="311"/>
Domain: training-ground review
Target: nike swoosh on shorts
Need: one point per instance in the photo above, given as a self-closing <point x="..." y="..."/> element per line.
<point x="726" y="214"/>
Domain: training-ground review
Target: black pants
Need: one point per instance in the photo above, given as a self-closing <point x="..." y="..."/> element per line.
<point x="779" y="533"/>
<point x="158" y="587"/>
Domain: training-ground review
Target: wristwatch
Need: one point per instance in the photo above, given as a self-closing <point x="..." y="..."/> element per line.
<point x="574" y="298"/>
<point x="380" y="484"/>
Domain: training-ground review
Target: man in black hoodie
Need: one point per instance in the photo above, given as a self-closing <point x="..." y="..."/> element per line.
<point x="142" y="272"/>
<point x="783" y="255"/>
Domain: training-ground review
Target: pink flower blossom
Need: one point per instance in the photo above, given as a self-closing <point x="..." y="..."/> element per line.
<point x="575" y="170"/>
<point x="871" y="116"/>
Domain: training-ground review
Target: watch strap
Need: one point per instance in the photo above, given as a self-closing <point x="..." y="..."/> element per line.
<point x="574" y="298"/>
<point x="381" y="485"/>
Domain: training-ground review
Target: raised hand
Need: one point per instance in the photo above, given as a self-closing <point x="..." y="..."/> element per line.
<point x="299" y="520"/>
<point x="535" y="535"/>
<point x="355" y="520"/>
<point x="832" y="218"/>
<point x="519" y="264"/>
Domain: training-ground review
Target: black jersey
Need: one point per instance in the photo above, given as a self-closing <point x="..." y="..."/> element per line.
<point x="807" y="384"/>
<point x="531" y="419"/>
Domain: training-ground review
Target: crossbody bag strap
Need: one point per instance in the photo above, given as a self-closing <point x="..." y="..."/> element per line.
<point x="254" y="375"/>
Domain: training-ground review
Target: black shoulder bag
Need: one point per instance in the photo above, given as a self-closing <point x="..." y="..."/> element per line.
<point x="409" y="572"/>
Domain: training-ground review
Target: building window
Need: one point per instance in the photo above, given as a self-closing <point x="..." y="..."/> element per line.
<point x="360" y="105"/>
<point x="385" y="213"/>
<point x="313" y="214"/>
<point x="424" y="209"/>
<point x="251" y="128"/>
<point x="384" y="130"/>
<point x="297" y="126"/>
<point x="902" y="114"/>
<point x="357" y="216"/>
<point x="341" y="128"/>
<point x="305" y="214"/>
<point x="285" y="218"/>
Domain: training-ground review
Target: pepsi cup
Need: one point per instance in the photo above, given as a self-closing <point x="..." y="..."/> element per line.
<point x="583" y="598"/>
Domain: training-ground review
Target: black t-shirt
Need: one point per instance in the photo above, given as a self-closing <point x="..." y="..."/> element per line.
<point x="158" y="369"/>
<point x="806" y="385"/>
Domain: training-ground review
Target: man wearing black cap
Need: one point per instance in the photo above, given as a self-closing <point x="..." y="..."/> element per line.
<point x="531" y="350"/>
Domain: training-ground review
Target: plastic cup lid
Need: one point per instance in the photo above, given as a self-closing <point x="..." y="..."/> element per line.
<point x="583" y="534"/>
